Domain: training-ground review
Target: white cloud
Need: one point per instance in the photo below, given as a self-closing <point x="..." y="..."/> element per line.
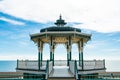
<point x="98" y="15"/>
<point x="12" y="21"/>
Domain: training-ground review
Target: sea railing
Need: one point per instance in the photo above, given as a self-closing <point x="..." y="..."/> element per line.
<point x="19" y="77"/>
<point x="92" y="64"/>
<point x="60" y="63"/>
<point x="30" y="64"/>
<point x="99" y="77"/>
<point x="83" y="77"/>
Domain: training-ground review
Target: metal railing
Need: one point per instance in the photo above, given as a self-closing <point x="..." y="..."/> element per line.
<point x="83" y="77"/>
<point x="92" y="64"/>
<point x="18" y="77"/>
<point x="60" y="63"/>
<point x="99" y="77"/>
<point x="48" y="68"/>
<point x="30" y="64"/>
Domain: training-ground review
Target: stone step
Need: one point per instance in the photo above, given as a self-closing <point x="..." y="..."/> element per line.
<point x="61" y="78"/>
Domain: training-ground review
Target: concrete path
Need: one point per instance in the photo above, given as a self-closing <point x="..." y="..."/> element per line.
<point x="61" y="71"/>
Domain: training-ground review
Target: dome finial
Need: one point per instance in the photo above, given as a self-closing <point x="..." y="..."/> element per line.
<point x="60" y="22"/>
<point x="60" y="17"/>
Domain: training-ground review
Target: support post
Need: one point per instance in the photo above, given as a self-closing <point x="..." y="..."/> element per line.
<point x="40" y="49"/>
<point x="53" y="53"/>
<point x="39" y="60"/>
<point x="67" y="47"/>
<point x="53" y="59"/>
<point x="51" y="45"/>
<point x="70" y="45"/>
<point x="41" y="53"/>
<point x="17" y="63"/>
<point x="79" y="59"/>
<point x="104" y="63"/>
<point x="50" y="55"/>
<point x="39" y="56"/>
<point x="70" y="55"/>
<point x="82" y="62"/>
<point x="79" y="47"/>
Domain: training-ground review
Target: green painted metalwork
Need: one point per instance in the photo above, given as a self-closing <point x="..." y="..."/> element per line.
<point x="41" y="59"/>
<point x="104" y="63"/>
<point x="47" y="70"/>
<point x="51" y="45"/>
<point x="99" y="77"/>
<point x="67" y="59"/>
<point x="17" y="63"/>
<point x="50" y="29"/>
<point x="53" y="59"/>
<point x="76" y="70"/>
<point x="82" y="60"/>
<point x="79" y="60"/>
<point x="82" y="45"/>
<point x="50" y="56"/>
<point x="60" y="22"/>
<point x="70" y="55"/>
<point x="23" y="79"/>
<point x="39" y="54"/>
<point x="39" y="62"/>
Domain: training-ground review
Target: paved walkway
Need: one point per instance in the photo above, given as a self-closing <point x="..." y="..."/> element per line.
<point x="61" y="71"/>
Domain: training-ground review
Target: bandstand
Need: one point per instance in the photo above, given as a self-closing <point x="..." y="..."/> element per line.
<point x="55" y="35"/>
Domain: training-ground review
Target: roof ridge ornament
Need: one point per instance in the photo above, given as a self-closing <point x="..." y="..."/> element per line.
<point x="60" y="17"/>
<point x="60" y="22"/>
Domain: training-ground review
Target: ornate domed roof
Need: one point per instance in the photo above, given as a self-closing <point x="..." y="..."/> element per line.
<point x="60" y="27"/>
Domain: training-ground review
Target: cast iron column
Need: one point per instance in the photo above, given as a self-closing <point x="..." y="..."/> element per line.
<point x="82" y="45"/>
<point x="67" y="47"/>
<point x="39" y="56"/>
<point x="79" y="45"/>
<point x="41" y="53"/>
<point x="51" y="46"/>
<point x="70" y="54"/>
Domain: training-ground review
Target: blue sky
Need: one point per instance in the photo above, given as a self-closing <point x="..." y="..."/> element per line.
<point x="19" y="19"/>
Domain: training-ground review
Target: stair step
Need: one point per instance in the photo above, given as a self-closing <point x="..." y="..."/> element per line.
<point x="61" y="78"/>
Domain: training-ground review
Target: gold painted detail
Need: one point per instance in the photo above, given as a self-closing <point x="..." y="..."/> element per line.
<point x="75" y="39"/>
<point x="45" y="39"/>
<point x="60" y="39"/>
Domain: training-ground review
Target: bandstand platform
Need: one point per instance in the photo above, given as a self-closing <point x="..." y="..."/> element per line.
<point x="52" y="69"/>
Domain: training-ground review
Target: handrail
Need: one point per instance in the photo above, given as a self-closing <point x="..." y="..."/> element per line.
<point x="76" y="70"/>
<point x="73" y="68"/>
<point x="47" y="70"/>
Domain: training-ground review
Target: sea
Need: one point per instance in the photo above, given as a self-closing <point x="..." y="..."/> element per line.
<point x="10" y="66"/>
